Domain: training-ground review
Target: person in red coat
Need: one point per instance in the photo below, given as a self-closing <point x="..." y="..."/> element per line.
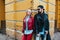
<point x="28" y="26"/>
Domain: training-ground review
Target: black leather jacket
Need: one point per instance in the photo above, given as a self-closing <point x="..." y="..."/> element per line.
<point x="40" y="21"/>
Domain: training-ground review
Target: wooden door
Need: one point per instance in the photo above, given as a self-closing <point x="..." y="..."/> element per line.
<point x="58" y="14"/>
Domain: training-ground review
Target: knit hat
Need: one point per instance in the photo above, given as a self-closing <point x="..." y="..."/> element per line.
<point x="40" y="6"/>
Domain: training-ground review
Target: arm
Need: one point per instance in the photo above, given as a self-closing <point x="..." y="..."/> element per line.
<point x="23" y="28"/>
<point x="46" y="24"/>
<point x="35" y="24"/>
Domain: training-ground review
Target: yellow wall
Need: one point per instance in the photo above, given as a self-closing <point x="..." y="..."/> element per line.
<point x="23" y="5"/>
<point x="8" y="1"/>
<point x="51" y="13"/>
<point x="9" y="11"/>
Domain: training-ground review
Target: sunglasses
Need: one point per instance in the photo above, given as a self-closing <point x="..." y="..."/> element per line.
<point x="38" y="9"/>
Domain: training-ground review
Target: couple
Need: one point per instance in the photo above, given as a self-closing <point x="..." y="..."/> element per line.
<point x="38" y="25"/>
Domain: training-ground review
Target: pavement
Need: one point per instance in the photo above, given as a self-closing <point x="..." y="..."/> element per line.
<point x="5" y="37"/>
<point x="2" y="37"/>
<point x="56" y="36"/>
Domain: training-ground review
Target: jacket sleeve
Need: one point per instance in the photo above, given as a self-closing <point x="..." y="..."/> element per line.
<point x="47" y="24"/>
<point x="35" y="24"/>
<point x="23" y="28"/>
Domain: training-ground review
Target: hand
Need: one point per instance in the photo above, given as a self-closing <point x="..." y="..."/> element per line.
<point x="38" y="35"/>
<point x="46" y="32"/>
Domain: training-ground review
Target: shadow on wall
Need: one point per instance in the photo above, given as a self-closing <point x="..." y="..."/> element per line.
<point x="3" y="27"/>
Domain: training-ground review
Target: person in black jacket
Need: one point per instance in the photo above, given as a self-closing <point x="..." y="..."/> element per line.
<point x="42" y="23"/>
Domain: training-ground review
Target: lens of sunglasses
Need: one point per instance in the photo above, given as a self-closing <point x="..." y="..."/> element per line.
<point x="38" y="9"/>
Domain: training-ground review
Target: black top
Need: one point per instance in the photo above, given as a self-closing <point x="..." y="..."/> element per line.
<point x="41" y="20"/>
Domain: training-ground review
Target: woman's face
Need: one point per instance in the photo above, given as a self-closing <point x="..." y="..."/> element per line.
<point x="28" y="13"/>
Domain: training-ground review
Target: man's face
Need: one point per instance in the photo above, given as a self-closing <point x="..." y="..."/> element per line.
<point x="40" y="10"/>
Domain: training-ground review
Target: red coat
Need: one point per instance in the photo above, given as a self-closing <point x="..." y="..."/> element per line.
<point x="30" y="24"/>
